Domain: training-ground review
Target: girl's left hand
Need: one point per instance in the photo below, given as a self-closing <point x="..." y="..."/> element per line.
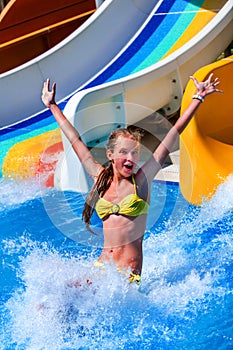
<point x="206" y="87"/>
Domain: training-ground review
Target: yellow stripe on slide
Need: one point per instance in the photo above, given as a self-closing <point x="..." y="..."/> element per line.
<point x="22" y="159"/>
<point x="206" y="13"/>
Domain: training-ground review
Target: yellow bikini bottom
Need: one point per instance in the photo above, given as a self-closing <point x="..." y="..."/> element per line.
<point x="132" y="277"/>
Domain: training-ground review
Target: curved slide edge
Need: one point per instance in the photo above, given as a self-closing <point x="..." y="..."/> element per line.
<point x="152" y="88"/>
<point x="85" y="46"/>
<point x="206" y="147"/>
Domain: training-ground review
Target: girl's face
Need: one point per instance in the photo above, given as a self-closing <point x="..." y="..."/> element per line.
<point x="124" y="156"/>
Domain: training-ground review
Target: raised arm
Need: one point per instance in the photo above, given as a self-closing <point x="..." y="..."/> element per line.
<point x="90" y="164"/>
<point x="203" y="89"/>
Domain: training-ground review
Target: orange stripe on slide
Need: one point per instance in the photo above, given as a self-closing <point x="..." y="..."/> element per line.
<point x="47" y="163"/>
<point x="30" y="158"/>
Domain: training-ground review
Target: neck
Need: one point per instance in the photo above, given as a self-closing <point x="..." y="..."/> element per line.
<point x="117" y="178"/>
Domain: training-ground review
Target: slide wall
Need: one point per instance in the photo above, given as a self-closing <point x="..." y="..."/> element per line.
<point x="73" y="61"/>
<point x="206" y="148"/>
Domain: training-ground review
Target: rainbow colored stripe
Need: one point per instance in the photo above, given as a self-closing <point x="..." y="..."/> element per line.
<point x="27" y="146"/>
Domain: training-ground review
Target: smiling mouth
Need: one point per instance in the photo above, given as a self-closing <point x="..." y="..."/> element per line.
<point x="128" y="166"/>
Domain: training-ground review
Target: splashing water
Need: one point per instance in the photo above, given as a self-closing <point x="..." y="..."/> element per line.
<point x="185" y="300"/>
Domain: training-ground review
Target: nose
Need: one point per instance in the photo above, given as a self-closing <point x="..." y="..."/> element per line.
<point x="131" y="156"/>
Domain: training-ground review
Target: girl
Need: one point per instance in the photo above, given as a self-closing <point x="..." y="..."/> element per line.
<point x="120" y="197"/>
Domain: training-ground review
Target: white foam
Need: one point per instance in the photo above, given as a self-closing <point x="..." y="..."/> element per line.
<point x="181" y="273"/>
<point x="14" y="193"/>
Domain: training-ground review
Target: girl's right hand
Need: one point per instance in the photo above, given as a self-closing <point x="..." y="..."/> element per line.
<point x="48" y="97"/>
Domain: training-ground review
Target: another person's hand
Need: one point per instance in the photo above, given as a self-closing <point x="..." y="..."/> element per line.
<point x="206" y="87"/>
<point x="48" y="97"/>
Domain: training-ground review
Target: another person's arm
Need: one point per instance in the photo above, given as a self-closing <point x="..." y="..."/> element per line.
<point x="82" y="151"/>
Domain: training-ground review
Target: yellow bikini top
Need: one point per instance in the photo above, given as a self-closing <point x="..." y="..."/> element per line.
<point x="131" y="205"/>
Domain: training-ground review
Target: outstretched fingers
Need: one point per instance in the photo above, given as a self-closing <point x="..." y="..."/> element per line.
<point x="199" y="85"/>
<point x="46" y="86"/>
<point x="208" y="86"/>
<point x="209" y="79"/>
<point x="194" y="79"/>
<point x="48" y="95"/>
<point x="54" y="86"/>
<point x="215" y="83"/>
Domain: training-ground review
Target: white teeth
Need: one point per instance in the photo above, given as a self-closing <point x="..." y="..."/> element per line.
<point x="129" y="166"/>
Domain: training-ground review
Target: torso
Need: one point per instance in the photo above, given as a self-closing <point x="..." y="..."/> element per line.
<point x="123" y="241"/>
<point x="123" y="235"/>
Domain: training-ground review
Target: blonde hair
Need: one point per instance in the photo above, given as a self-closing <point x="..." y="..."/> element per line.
<point x="105" y="178"/>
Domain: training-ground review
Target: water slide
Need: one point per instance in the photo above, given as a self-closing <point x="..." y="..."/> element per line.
<point x="91" y="47"/>
<point x="74" y="60"/>
<point x="149" y="68"/>
<point x="206" y="147"/>
<point x="156" y="77"/>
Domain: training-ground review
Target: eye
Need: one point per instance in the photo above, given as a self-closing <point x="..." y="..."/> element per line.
<point x="123" y="151"/>
<point x="135" y="152"/>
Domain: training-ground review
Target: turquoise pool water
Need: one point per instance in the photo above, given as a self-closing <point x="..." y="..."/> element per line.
<point x="185" y="300"/>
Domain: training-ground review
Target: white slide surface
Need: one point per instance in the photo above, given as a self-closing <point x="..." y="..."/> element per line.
<point x="72" y="62"/>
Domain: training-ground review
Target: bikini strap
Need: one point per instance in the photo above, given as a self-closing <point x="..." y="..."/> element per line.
<point x="134" y="184"/>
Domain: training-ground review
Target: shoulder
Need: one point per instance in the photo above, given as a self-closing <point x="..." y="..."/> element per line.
<point x="148" y="170"/>
<point x="98" y="173"/>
